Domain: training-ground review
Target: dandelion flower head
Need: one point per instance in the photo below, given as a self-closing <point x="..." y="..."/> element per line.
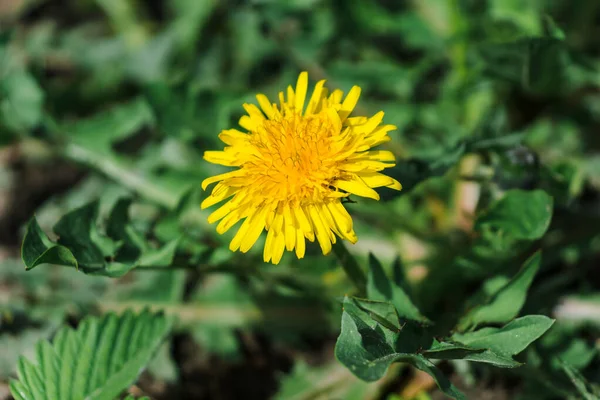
<point x="294" y="164"/>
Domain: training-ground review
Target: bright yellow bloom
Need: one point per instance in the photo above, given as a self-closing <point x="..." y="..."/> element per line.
<point x="294" y="166"/>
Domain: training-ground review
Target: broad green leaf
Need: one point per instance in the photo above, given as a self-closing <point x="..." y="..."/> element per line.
<point x="367" y="348"/>
<point x="364" y="350"/>
<point x="506" y="303"/>
<point x="381" y="288"/>
<point x="511" y="339"/>
<point x="96" y="362"/>
<point x="521" y="214"/>
<point x="38" y="249"/>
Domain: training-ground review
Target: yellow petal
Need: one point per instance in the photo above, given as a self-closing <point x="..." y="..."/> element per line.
<point x="300" y="244"/>
<point x="253" y="112"/>
<point x="268" y="250"/>
<point x="349" y="103"/>
<point x="266" y="105"/>
<point x="371" y="123"/>
<point x="233" y="137"/>
<point x="343" y="220"/>
<point x="301" y="87"/>
<point x="374" y="179"/>
<point x="377" y="155"/>
<point x="257" y="224"/>
<point x="321" y="230"/>
<point x="315" y="98"/>
<point x="328" y="221"/>
<point x="278" y="247"/>
<point x="289" y="228"/>
<point x="302" y="219"/>
<point x="222" y="211"/>
<point x="230" y="220"/>
<point x="218" y="196"/>
<point x="358" y="187"/>
<point x="222" y="158"/>
<point x="247" y="123"/>
<point x="290" y="96"/>
<point x="219" y="177"/>
<point x="358" y="166"/>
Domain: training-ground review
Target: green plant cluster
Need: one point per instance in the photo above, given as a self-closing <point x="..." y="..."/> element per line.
<point x="482" y="270"/>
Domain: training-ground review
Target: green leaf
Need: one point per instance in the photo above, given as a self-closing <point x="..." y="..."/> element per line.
<point x="364" y="350"/>
<point x="118" y="123"/>
<point x="506" y="303"/>
<point x="537" y="64"/>
<point x="21" y="102"/>
<point x="96" y="362"/>
<point x="458" y="351"/>
<point x="82" y="245"/>
<point x="75" y="230"/>
<point x="443" y="383"/>
<point x="38" y="249"/>
<point x="580" y="383"/>
<point x="381" y="312"/>
<point x="367" y="347"/>
<point x="381" y="288"/>
<point x="511" y="339"/>
<point x="551" y="29"/>
<point x="521" y="214"/>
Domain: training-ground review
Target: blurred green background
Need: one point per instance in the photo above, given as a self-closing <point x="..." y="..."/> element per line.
<point x="105" y="98"/>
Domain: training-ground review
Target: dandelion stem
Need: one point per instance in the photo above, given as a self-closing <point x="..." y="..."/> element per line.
<point x="351" y="267"/>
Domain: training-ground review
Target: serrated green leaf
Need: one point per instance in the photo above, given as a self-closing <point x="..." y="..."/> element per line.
<point x="521" y="214"/>
<point x="38" y="249"/>
<point x="511" y="339"/>
<point x="506" y="303"/>
<point x="95" y="362"/>
<point x="381" y="288"/>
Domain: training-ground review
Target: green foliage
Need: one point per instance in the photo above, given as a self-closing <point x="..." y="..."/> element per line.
<point x="506" y="302"/>
<point x="97" y="361"/>
<point x="520" y="214"/>
<point x="374" y="334"/>
<point x="106" y="108"/>
<point x="83" y="246"/>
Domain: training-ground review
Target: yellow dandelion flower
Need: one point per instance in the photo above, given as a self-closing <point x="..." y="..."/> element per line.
<point x="293" y="167"/>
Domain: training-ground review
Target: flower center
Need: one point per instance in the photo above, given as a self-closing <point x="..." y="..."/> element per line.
<point x="296" y="161"/>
